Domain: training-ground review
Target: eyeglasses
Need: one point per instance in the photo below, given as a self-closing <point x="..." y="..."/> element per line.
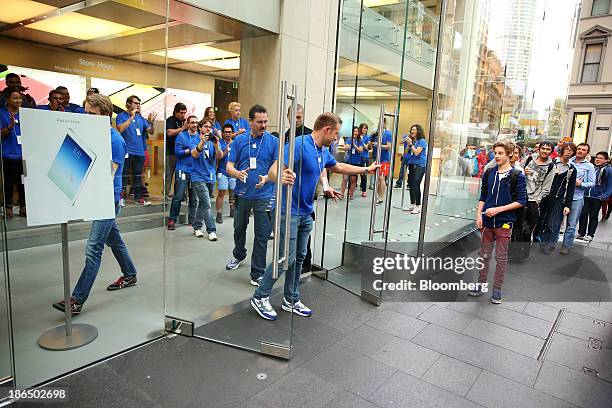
<point x="93" y="90"/>
<point x="228" y="131"/>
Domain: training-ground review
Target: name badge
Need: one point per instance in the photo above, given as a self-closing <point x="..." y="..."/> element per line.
<point x="353" y="151"/>
<point x="138" y="131"/>
<point x="18" y="140"/>
<point x="212" y="176"/>
<point x="319" y="159"/>
<point x="252" y="163"/>
<point x="16" y="121"/>
<point x="254" y="145"/>
<point x="183" y="176"/>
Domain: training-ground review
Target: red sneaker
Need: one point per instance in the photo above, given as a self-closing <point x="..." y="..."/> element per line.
<point x="171" y="226"/>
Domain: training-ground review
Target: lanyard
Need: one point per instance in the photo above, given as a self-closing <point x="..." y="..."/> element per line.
<point x="258" y="148"/>
<point x="319" y="158"/>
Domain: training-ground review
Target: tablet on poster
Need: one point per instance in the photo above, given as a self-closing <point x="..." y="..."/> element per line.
<point x="67" y="160"/>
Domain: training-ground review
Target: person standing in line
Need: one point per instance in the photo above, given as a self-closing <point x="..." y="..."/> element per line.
<point x="606" y="206"/>
<point x="539" y="173"/>
<point x="12" y="165"/>
<point x="175" y="124"/>
<point x="417" y="164"/>
<point x="104" y="232"/>
<point x="205" y="152"/>
<point x="68" y="107"/>
<point x="251" y="155"/>
<point x="54" y="98"/>
<point x="133" y="127"/>
<point x="225" y="182"/>
<point x="384" y="160"/>
<point x="365" y="157"/>
<point x="209" y="113"/>
<point x="182" y="184"/>
<point x="496" y="215"/>
<point x="312" y="156"/>
<point x="585" y="178"/>
<point x="240" y="125"/>
<point x="558" y="203"/>
<point x="595" y="196"/>
<point x="356" y="148"/>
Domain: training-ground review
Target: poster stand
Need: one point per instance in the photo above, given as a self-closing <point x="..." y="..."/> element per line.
<point x="67" y="336"/>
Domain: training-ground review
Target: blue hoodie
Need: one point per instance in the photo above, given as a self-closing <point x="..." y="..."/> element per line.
<point x="495" y="192"/>
<point x="603" y="184"/>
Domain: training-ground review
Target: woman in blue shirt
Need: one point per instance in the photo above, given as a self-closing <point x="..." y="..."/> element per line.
<point x="365" y="157"/>
<point x="11" y="151"/>
<point x="209" y="113"/>
<point x="417" y="163"/>
<point x="356" y="148"/>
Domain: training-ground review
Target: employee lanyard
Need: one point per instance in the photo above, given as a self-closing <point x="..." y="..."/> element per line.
<point x="254" y="142"/>
<point x="236" y="125"/>
<point x="319" y="158"/>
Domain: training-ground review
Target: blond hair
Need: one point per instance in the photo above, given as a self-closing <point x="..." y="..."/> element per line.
<point x="101" y="101"/>
<point x="232" y="105"/>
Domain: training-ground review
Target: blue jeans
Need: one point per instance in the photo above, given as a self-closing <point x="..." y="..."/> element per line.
<point x="102" y="232"/>
<point x="180" y="186"/>
<point x="202" y="213"/>
<point x="553" y="208"/>
<point x="263" y="228"/>
<point x="572" y="221"/>
<point x="301" y="225"/>
<point x="400" y="179"/>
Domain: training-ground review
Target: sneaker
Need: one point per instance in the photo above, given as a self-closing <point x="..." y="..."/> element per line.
<point x="364" y="194"/>
<point x="547" y="250"/>
<point x="257" y="281"/>
<point x="171" y="226"/>
<point x="416" y="210"/>
<point x="122" y="282"/>
<point x="476" y="291"/>
<point x="264" y="308"/>
<point x="410" y="208"/>
<point x="379" y="202"/>
<point x="564" y="251"/>
<point x="588" y="238"/>
<point x="231" y="212"/>
<point x="144" y="202"/>
<point x="219" y="219"/>
<point x="212" y="236"/>
<point x="397" y="187"/>
<point x="122" y="202"/>
<point x="233" y="264"/>
<point x="198" y="233"/>
<point x="580" y="237"/>
<point x="496" y="297"/>
<point x="75" y="308"/>
<point x="271" y="236"/>
<point x="298" y="308"/>
<point x="351" y="198"/>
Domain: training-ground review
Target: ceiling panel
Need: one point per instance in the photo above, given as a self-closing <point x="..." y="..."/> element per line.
<point x="122" y="14"/>
<point x="59" y="3"/>
<point x="38" y="36"/>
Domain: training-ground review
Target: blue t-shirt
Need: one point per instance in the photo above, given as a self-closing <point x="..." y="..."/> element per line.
<point x="217" y="126"/>
<point x="310" y="160"/>
<point x="43" y="107"/>
<point x="354" y="157"/>
<point x="203" y="168"/>
<point x="183" y="142"/>
<point x="118" y="152"/>
<point x="134" y="135"/>
<point x="241" y="123"/>
<point x="366" y="153"/>
<point x="11" y="148"/>
<point x="265" y="150"/>
<point x="74" y="108"/>
<point x="421" y="159"/>
<point x="223" y="162"/>
<point x="385" y="155"/>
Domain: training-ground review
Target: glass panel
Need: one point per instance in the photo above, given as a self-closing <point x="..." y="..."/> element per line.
<point x="6" y="347"/>
<point x="60" y="47"/>
<point x="593" y="53"/>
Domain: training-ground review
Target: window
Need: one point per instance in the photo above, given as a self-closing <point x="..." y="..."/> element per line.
<point x="600" y="7"/>
<point x="592" y="59"/>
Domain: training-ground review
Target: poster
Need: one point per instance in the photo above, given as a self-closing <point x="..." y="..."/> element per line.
<point x="67" y="167"/>
<point x="580" y="128"/>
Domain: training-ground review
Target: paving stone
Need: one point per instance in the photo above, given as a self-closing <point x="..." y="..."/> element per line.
<point x="522" y="343"/>
<point x="406" y="356"/>
<point x="575" y="353"/>
<point x="447" y="318"/>
<point x="541" y="311"/>
<point x="397" y="324"/>
<point x="366" y="340"/>
<point x="452" y="375"/>
<point x="348" y="400"/>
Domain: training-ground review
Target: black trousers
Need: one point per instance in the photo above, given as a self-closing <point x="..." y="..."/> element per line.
<point x="415" y="175"/>
<point x="133" y="168"/>
<point x="532" y="216"/>
<point x="589" y="217"/>
<point x="13" y="170"/>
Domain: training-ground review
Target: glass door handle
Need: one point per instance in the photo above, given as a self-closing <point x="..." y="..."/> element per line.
<point x="381" y="129"/>
<point x="276" y="259"/>
<point x="290" y="163"/>
<point x="395" y="116"/>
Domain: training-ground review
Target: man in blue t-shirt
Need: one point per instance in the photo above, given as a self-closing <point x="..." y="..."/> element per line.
<point x="312" y="157"/>
<point x="182" y="149"/>
<point x="104" y="232"/>
<point x="205" y="152"/>
<point x="385" y="158"/>
<point x="251" y="156"/>
<point x="55" y="102"/>
<point x="240" y="125"/>
<point x="225" y="182"/>
<point x="66" y="105"/>
<point x="133" y="128"/>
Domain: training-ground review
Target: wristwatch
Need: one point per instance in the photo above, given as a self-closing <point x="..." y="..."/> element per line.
<point x="198" y="149"/>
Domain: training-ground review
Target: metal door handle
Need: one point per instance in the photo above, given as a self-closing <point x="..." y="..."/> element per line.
<point x="290" y="163"/>
<point x="390" y="175"/>
<point x="381" y="128"/>
<point x="279" y="184"/>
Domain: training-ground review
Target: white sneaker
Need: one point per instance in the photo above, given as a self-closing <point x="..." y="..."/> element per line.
<point x="588" y="238"/>
<point x="122" y="202"/>
<point x="198" y="233"/>
<point x="212" y="236"/>
<point x="416" y="210"/>
<point x="264" y="308"/>
<point x="410" y="207"/>
<point x="298" y="308"/>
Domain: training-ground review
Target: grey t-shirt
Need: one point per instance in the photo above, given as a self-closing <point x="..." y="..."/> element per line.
<point x="538" y="181"/>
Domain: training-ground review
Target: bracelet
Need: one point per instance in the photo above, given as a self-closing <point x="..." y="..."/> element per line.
<point x="198" y="149"/>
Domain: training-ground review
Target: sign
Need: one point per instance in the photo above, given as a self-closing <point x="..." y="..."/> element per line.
<point x="67" y="166"/>
<point x="602" y="128"/>
<point x="580" y="127"/>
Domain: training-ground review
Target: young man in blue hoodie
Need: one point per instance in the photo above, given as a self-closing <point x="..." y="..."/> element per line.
<point x="595" y="196"/>
<point x="503" y="191"/>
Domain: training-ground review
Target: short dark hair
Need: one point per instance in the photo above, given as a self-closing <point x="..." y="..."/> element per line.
<point x="326" y="119"/>
<point x="53" y="91"/>
<point x="547" y="143"/>
<point x="584" y="144"/>
<point x="9" y="90"/>
<point x="229" y="125"/>
<point x="191" y="116"/>
<point x="571" y="146"/>
<point x="179" y="107"/>
<point x="256" y="109"/>
<point x="12" y="75"/>
<point x="131" y="98"/>
<point x="61" y="88"/>
<point x="604" y="154"/>
<point x="203" y="121"/>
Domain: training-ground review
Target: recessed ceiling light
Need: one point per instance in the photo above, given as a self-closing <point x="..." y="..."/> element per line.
<point x="196" y="52"/>
<point x="361" y="91"/>
<point x="228" y="63"/>
<point x="18" y="10"/>
<point x="377" y="3"/>
<point x="76" y="25"/>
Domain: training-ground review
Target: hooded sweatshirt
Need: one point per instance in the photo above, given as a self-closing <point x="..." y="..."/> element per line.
<point x="496" y="191"/>
<point x="603" y="183"/>
<point x="539" y="180"/>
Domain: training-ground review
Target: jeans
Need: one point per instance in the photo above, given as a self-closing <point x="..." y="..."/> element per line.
<point x="200" y="189"/>
<point x="133" y="167"/>
<point x="589" y="216"/>
<point x="180" y="186"/>
<point x="501" y="238"/>
<point x="13" y="170"/>
<point x="301" y="225"/>
<point x="415" y="175"/>
<point x="169" y="172"/>
<point x="263" y="228"/>
<point x="572" y="220"/>
<point x="404" y="165"/>
<point x="102" y="232"/>
<point x="552" y="224"/>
